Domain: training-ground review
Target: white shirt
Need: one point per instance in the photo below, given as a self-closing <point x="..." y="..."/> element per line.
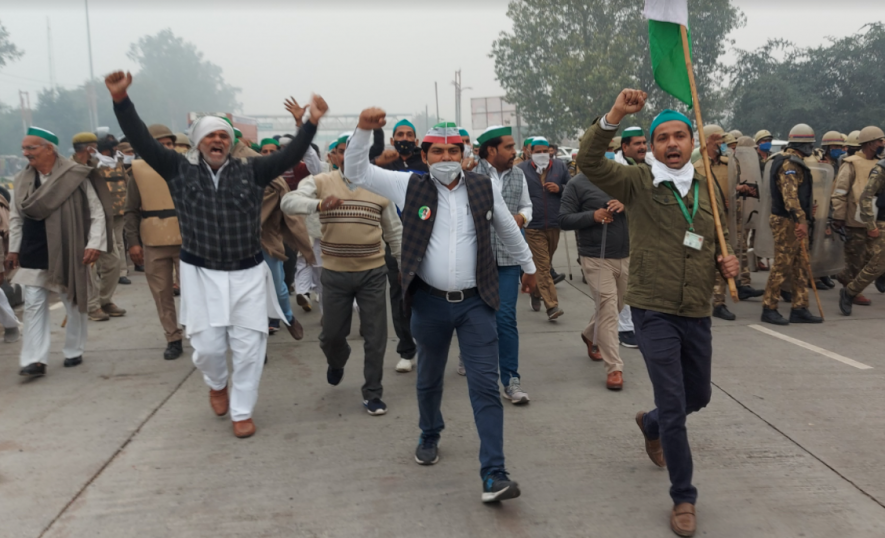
<point x="524" y="207"/>
<point x="216" y="175"/>
<point x="450" y="259"/>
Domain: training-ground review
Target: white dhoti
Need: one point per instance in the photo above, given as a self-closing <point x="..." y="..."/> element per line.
<point x="37" y="327"/>
<point x="308" y="277"/>
<point x="229" y="309"/>
<point x="625" y="320"/>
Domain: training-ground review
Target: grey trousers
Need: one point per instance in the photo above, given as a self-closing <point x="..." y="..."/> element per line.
<point x="339" y="291"/>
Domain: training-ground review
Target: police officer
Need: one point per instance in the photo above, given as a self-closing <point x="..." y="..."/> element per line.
<point x="874" y="219"/>
<point x="850" y="183"/>
<point x="743" y="211"/>
<point x="791" y="212"/>
<point x="832" y="147"/>
<point x="763" y="141"/>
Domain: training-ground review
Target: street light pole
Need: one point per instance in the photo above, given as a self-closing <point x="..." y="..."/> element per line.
<point x="93" y="106"/>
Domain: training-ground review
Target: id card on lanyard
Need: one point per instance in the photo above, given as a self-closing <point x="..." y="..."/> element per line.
<point x="691" y="240"/>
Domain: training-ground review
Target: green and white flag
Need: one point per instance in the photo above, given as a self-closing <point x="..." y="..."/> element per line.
<point x="665" y="42"/>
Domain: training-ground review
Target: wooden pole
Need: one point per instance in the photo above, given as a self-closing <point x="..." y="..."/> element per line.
<point x="811" y="276"/>
<point x="711" y="188"/>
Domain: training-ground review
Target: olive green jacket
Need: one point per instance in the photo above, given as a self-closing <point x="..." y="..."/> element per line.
<point x="665" y="275"/>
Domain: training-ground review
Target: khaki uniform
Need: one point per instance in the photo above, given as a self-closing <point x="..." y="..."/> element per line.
<point x="789" y="261"/>
<point x="106" y="272"/>
<point x="151" y="221"/>
<point x="850" y="183"/>
<point x="875" y="266"/>
<point x="720" y="175"/>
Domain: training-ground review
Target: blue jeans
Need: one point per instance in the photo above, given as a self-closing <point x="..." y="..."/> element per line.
<point x="508" y="335"/>
<point x="677" y="352"/>
<point x="277" y="271"/>
<point x="434" y="319"/>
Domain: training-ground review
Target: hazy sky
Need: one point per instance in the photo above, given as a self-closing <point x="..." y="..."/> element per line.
<point x="355" y="53"/>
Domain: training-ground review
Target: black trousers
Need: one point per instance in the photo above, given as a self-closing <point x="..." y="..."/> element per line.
<point x="406" y="347"/>
<point x="678" y="355"/>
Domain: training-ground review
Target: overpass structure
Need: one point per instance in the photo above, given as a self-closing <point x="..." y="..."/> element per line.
<point x="330" y="127"/>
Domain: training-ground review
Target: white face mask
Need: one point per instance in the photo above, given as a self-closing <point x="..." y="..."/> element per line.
<point x="541" y="160"/>
<point x="446" y="171"/>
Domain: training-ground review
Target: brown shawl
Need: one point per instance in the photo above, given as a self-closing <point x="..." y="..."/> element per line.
<point x="61" y="202"/>
<point x="278" y="228"/>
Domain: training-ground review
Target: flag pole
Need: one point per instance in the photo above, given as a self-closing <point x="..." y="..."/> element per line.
<point x="711" y="189"/>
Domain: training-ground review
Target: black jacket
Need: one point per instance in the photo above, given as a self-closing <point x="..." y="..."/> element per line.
<point x="220" y="228"/>
<point x="413" y="164"/>
<point x="545" y="204"/>
<point x="579" y="201"/>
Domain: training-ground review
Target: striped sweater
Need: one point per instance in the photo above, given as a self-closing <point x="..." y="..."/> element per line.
<point x="354" y="234"/>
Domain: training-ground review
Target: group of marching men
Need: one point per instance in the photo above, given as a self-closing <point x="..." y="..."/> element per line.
<point x="448" y="231"/>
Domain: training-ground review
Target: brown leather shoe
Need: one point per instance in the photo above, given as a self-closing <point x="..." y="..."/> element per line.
<point x="113" y="310"/>
<point x="295" y="329"/>
<point x="595" y="356"/>
<point x="861" y="300"/>
<point x="219" y="401"/>
<point x="99" y="315"/>
<point x="244" y="428"/>
<point x="615" y="381"/>
<point x="653" y="448"/>
<point x="683" y="520"/>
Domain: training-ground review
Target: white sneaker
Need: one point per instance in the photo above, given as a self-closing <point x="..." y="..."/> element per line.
<point x="404" y="366"/>
<point x="514" y="392"/>
<point x="461" y="370"/>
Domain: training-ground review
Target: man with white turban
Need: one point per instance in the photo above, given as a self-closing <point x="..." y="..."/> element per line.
<point x="227" y="290"/>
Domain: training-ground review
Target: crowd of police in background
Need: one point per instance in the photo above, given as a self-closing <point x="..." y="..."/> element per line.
<point x="780" y="195"/>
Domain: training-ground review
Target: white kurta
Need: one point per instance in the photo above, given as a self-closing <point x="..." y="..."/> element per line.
<point x="211" y="298"/>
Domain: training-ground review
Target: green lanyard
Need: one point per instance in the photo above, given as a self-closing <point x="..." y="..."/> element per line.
<point x="694" y="211"/>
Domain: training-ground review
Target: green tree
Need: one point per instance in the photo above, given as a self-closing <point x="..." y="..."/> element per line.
<point x="174" y="79"/>
<point x="566" y="60"/>
<point x="65" y="112"/>
<point x="839" y="86"/>
<point x="8" y="51"/>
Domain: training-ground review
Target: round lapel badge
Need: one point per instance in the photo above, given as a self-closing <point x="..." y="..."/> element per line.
<point x="489" y="215"/>
<point x="424" y="212"/>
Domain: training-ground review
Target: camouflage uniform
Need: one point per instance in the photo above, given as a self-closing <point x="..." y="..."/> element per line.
<point x="875" y="266"/>
<point x="788" y="257"/>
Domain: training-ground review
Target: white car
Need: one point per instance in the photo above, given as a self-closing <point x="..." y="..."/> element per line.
<point x="565" y="153"/>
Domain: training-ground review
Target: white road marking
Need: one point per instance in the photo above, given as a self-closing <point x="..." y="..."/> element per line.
<point x="57" y="305"/>
<point x="811" y="347"/>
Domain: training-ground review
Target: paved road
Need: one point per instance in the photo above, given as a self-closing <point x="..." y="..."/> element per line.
<point x="126" y="445"/>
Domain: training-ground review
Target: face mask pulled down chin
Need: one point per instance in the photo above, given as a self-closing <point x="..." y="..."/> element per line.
<point x="446" y="171"/>
<point x="404" y="147"/>
<point x="541" y="160"/>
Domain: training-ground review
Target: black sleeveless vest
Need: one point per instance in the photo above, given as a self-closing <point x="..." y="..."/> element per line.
<point x="422" y="191"/>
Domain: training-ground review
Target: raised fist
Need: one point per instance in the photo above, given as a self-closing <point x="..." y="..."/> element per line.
<point x="372" y="118"/>
<point x="318" y="108"/>
<point x="628" y="102"/>
<point x="118" y="82"/>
